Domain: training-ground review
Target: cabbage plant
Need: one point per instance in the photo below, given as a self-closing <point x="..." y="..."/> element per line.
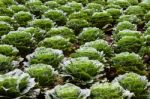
<point x="62" y="31"/>
<point x="125" y="25"/>
<point x="89" y="52"/>
<point x="47" y="56"/>
<point x="126" y="62"/>
<point x="8" y="50"/>
<point x="57" y="42"/>
<point x="129" y="44"/>
<point x="82" y="68"/>
<point x="101" y="19"/>
<point x="90" y="34"/>
<point x="134" y="83"/>
<point x="67" y="91"/>
<point x="124" y="33"/>
<point x="106" y="91"/>
<point x="20" y="39"/>
<point x="23" y="18"/>
<point x="15" y="84"/>
<point x="5" y="28"/>
<point x="57" y="16"/>
<point x="101" y="46"/>
<point x="43" y="74"/>
<point x="44" y="24"/>
<point x="77" y="25"/>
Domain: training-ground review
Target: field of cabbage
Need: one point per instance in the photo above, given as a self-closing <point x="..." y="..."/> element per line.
<point x="75" y="49"/>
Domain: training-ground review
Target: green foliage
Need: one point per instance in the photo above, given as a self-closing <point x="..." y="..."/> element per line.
<point x="82" y="68"/>
<point x="94" y="6"/>
<point x="45" y="24"/>
<point x="5" y="63"/>
<point x="135" y="10"/>
<point x="15" y="83"/>
<point x="145" y="4"/>
<point x="37" y="33"/>
<point x="18" y="8"/>
<point x="124" y="25"/>
<point x="147" y="16"/>
<point x="6" y="12"/>
<point x="77" y="24"/>
<point x="75" y="5"/>
<point x="36" y="7"/>
<point x="147" y="31"/>
<point x="89" y="52"/>
<point x="8" y="2"/>
<point x="133" y="2"/>
<point x="121" y="3"/>
<point x="4" y="28"/>
<point x="147" y="40"/>
<point x="101" y="46"/>
<point x="44" y="74"/>
<point x="57" y="42"/>
<point x="106" y="91"/>
<point x="134" y="83"/>
<point x="67" y="91"/>
<point x="6" y="19"/>
<point x="100" y="19"/>
<point x="71" y="7"/>
<point x="125" y="62"/>
<point x="90" y="34"/>
<point x="145" y="50"/>
<point x="20" y="39"/>
<point x="8" y="50"/>
<point x="123" y="33"/>
<point x="46" y="56"/>
<point x="129" y="44"/>
<point x="130" y="18"/>
<point x="52" y="4"/>
<point x="57" y="16"/>
<point x="78" y="15"/>
<point x="62" y="31"/>
<point x="23" y="18"/>
<point x="115" y="13"/>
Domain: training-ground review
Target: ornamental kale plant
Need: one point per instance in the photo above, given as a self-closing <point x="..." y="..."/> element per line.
<point x="45" y="24"/>
<point x="57" y="16"/>
<point x="94" y="6"/>
<point x="106" y="91"/>
<point x="20" y="39"/>
<point x="101" y="46"/>
<point x="130" y="18"/>
<point x="90" y="34"/>
<point x="18" y="8"/>
<point x="8" y="50"/>
<point x="44" y="74"/>
<point x="5" y="63"/>
<point x="77" y="25"/>
<point x="67" y="91"/>
<point x="135" y="10"/>
<point x="125" y="62"/>
<point x="5" y="28"/>
<point x="57" y="42"/>
<point x="82" y="68"/>
<point x="124" y="33"/>
<point x="129" y="44"/>
<point x="134" y="83"/>
<point x="47" y="56"/>
<point x="124" y="25"/>
<point x="22" y="18"/>
<point x="15" y="84"/>
<point x="89" y="52"/>
<point x="62" y="31"/>
<point x="100" y="19"/>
